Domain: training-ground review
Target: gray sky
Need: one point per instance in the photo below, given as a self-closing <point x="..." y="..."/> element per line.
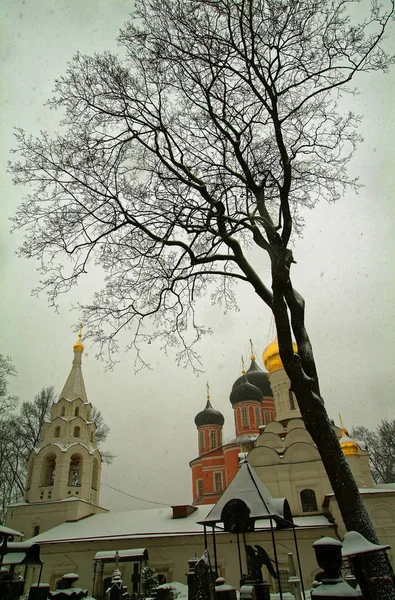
<point x="344" y="270"/>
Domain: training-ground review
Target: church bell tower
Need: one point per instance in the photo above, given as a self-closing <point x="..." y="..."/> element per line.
<point x="63" y="481"/>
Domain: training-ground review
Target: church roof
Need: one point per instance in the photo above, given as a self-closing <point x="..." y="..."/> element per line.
<point x="209" y="416"/>
<point x="139" y="524"/>
<point x="247" y="486"/>
<point x="156" y="522"/>
<point x="256" y="376"/>
<point x="75" y="387"/>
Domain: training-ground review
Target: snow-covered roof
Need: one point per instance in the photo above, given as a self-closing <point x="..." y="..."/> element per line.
<point x="8" y="531"/>
<point x="121" y="555"/>
<point x="381" y="488"/>
<point x="157" y="522"/>
<point x="63" y="447"/>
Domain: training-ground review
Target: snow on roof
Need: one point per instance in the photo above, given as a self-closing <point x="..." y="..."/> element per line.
<point x="8" y="531"/>
<point x="310" y="521"/>
<point x="156" y="522"/>
<point x="380" y="488"/>
<point x="121" y="555"/>
<point x="64" y="447"/>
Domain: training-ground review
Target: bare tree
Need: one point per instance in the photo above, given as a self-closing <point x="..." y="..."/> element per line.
<point x="381" y="446"/>
<point x="206" y="140"/>
<point x="7" y="370"/>
<point x="10" y="482"/>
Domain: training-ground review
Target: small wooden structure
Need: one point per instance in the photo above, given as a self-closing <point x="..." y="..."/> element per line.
<point x="247" y="506"/>
<point x="138" y="556"/>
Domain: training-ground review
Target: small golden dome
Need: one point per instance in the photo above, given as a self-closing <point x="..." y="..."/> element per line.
<point x="348" y="445"/>
<point x="271" y="356"/>
<point x="79" y="346"/>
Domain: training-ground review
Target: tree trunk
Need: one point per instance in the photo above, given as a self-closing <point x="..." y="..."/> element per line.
<point x="302" y="373"/>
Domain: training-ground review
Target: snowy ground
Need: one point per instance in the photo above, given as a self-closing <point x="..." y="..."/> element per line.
<point x="182" y="591"/>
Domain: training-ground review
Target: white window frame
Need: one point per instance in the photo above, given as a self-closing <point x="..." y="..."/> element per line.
<point x="245" y="417"/>
<point x="216" y="488"/>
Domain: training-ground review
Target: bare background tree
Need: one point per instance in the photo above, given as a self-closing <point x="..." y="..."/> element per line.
<point x="381" y="446"/>
<point x="180" y="162"/>
<point x="20" y="434"/>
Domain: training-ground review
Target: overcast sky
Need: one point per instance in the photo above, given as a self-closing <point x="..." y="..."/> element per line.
<point x="344" y="270"/>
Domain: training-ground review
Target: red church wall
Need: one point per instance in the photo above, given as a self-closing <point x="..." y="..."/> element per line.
<point x="231" y="456"/>
<point x="205" y="432"/>
<point x="249" y="424"/>
<point x="210" y="469"/>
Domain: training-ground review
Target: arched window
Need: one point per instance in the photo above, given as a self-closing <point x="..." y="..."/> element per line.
<point x="57" y="432"/>
<point x="63" y="411"/>
<point x="213" y="438"/>
<point x="244" y="416"/>
<point x="308" y="500"/>
<point x="95" y="475"/>
<point x="77" y="411"/>
<point x="201" y="440"/>
<point x="291" y="400"/>
<point x="75" y="470"/>
<point x="92" y="437"/>
<point x="267" y="417"/>
<point x="48" y="470"/>
<point x="77" y="432"/>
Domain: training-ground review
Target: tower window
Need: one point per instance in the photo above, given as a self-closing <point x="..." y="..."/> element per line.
<point x="308" y="500"/>
<point x="77" y="432"/>
<point x="63" y="411"/>
<point x="244" y="416"/>
<point x="201" y="440"/>
<point x="257" y="416"/>
<point x="267" y="417"/>
<point x="218" y="487"/>
<point x="213" y="439"/>
<point x="77" y="411"/>
<point x="57" y="432"/>
<point x="36" y="530"/>
<point x="199" y="488"/>
<point x="291" y="400"/>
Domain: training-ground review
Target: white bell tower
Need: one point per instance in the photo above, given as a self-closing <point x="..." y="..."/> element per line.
<point x="63" y="481"/>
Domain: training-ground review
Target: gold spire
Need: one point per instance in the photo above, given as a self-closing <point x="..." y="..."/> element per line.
<point x="79" y="346"/>
<point x="243" y="368"/>
<point x="342" y="425"/>
<point x="252" y="357"/>
<point x="208" y="391"/>
<point x="349" y="446"/>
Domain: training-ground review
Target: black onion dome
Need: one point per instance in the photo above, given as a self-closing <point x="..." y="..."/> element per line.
<point x="244" y="392"/>
<point x="258" y="377"/>
<point x="209" y="416"/>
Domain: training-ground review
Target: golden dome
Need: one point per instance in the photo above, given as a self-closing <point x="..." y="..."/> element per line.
<point x="349" y="446"/>
<point x="79" y="346"/>
<point x="271" y="356"/>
